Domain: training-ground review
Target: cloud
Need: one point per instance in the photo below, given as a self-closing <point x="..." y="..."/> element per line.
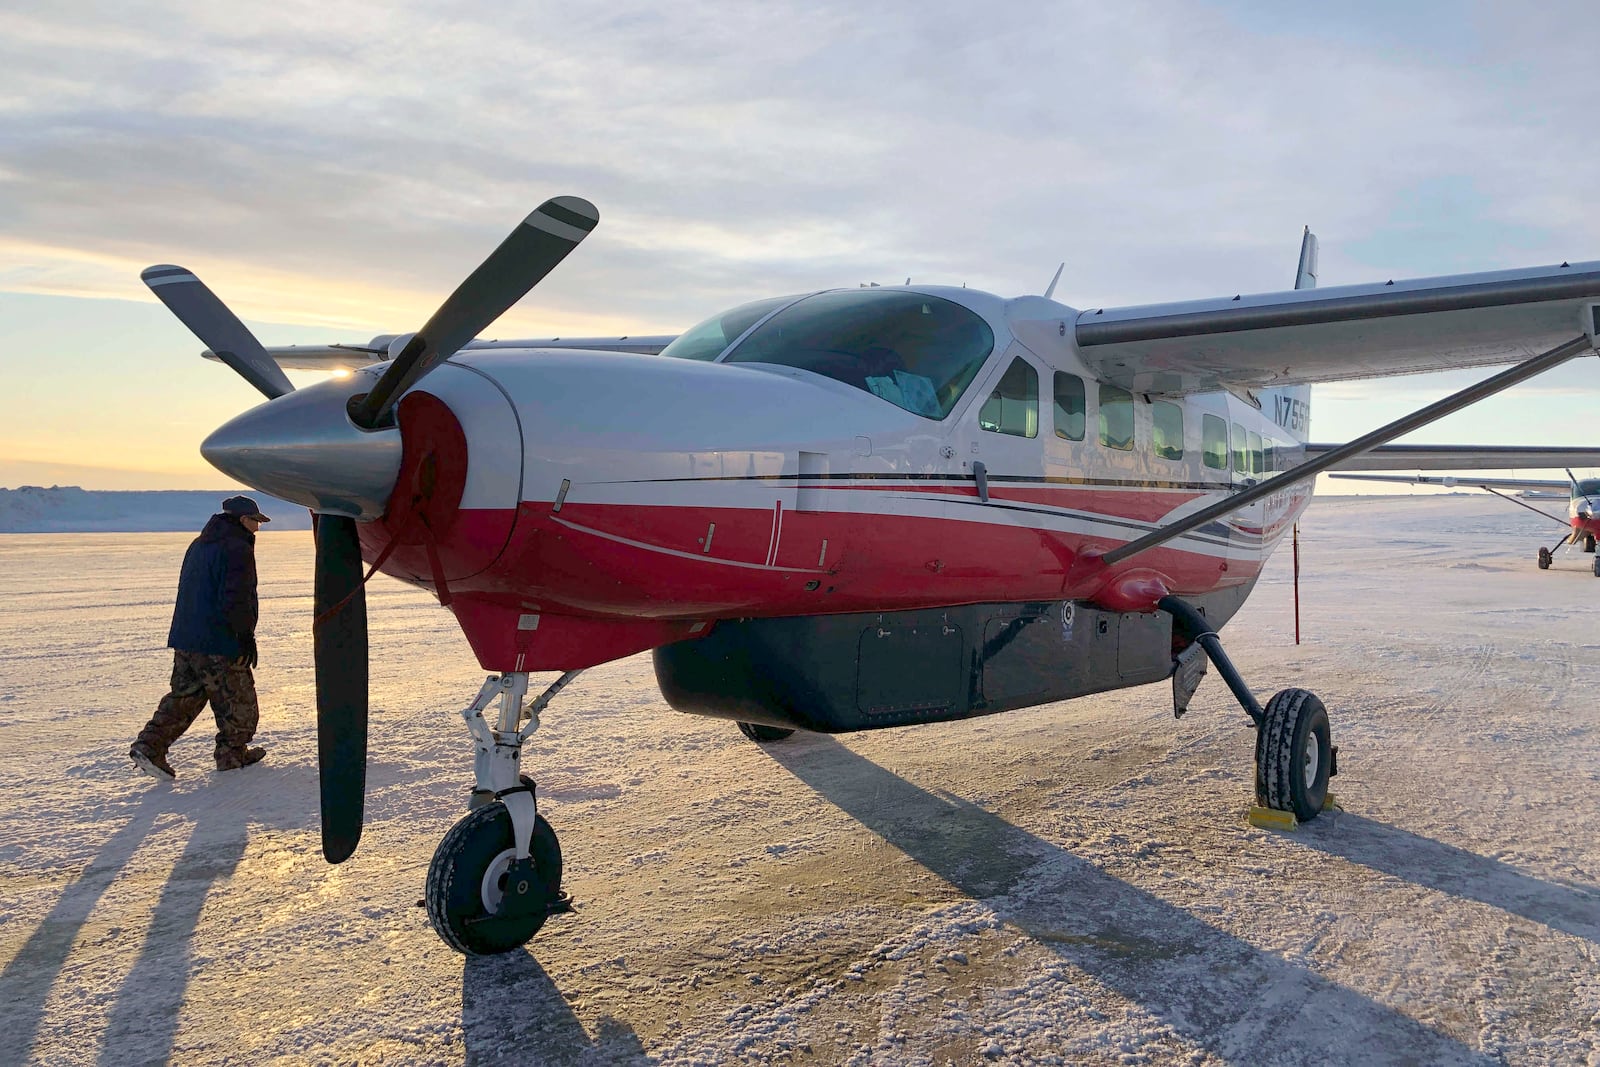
<point x="1159" y="148"/>
<point x="346" y="165"/>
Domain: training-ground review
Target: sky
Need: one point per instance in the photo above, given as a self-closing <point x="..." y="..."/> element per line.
<point x="333" y="171"/>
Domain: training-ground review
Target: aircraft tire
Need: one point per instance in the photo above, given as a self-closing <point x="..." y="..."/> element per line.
<point x="470" y="866"/>
<point x="757" y="732"/>
<point x="1597" y="566"/>
<point x="1588" y="542"/>
<point x="1294" y="753"/>
<point x="1544" y="558"/>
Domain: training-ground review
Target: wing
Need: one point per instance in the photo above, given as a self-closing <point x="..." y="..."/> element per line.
<point x="1354" y="331"/>
<point x="1462" y="457"/>
<point x="1450" y="482"/>
<point x="349" y="357"/>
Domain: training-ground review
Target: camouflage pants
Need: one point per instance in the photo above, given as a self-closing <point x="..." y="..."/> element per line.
<point x="197" y="678"/>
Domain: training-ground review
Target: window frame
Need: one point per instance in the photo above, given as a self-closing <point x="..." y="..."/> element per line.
<point x="1032" y="424"/>
<point x="1156" y="450"/>
<point x="1102" y="403"/>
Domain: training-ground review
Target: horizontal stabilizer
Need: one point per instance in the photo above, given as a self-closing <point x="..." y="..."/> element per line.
<point x="1445" y="481"/>
<point x="1462" y="458"/>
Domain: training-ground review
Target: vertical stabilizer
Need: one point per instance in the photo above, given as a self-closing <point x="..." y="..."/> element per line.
<point x="1306" y="276"/>
<point x="1290" y="407"/>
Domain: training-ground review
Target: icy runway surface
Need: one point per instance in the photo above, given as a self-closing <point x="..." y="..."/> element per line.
<point x="1072" y="883"/>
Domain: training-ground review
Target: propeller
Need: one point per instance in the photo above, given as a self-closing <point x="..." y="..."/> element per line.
<point x="339" y="637"/>
<point x="339" y="632"/>
<point x="531" y="251"/>
<point x="209" y="319"/>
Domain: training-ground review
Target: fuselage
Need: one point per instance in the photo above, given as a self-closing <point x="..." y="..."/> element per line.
<point x="574" y="507"/>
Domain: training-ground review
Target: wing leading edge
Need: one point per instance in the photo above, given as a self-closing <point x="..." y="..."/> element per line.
<point x="1354" y="331"/>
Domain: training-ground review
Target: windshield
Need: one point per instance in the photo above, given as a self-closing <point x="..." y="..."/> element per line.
<point x="917" y="352"/>
<point x="707" y="340"/>
<point x="1587" y="487"/>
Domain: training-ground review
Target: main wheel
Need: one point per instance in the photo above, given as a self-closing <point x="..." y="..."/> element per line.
<point x="1588" y="542"/>
<point x="757" y="732"/>
<point x="467" y="882"/>
<point x="1597" y="566"/>
<point x="1544" y="558"/>
<point x="1294" y="753"/>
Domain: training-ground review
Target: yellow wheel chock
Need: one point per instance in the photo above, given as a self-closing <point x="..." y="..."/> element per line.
<point x="1273" y="819"/>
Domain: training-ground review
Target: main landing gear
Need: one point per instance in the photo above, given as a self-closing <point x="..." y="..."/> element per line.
<point x="1295" y="754"/>
<point x="496" y="876"/>
<point x="1547" y="555"/>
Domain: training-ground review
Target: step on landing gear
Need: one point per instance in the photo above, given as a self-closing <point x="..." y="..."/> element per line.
<point x="1295" y="754"/>
<point x="496" y="876"/>
<point x="755" y="731"/>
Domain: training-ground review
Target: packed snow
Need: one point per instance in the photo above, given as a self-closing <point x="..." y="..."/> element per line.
<point x="1073" y="883"/>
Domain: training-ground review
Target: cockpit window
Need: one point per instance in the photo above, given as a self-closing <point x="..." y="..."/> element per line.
<point x="1587" y="487"/>
<point x="917" y="352"/>
<point x="708" y="340"/>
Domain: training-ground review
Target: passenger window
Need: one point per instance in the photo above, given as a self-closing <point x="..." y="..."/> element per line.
<point x="1071" y="406"/>
<point x="1116" y="418"/>
<point x="1241" y="450"/>
<point x="1255" y="453"/>
<point x="1013" y="407"/>
<point x="1166" y="430"/>
<point x="1269" y="456"/>
<point x="1214" y="441"/>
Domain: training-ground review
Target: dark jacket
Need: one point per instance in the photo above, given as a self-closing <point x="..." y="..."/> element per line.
<point x="216" y="591"/>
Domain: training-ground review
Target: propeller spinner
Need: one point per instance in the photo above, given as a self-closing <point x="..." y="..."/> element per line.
<point x="303" y="447"/>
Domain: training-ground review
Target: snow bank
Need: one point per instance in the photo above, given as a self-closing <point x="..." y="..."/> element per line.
<point x="69" y="509"/>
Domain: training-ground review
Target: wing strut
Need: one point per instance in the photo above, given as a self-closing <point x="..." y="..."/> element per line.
<point x="1419" y="418"/>
<point x="1530" y="507"/>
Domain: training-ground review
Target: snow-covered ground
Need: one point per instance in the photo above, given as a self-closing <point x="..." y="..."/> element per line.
<point x="1072" y="883"/>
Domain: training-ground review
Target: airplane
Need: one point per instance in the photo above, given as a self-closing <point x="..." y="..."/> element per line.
<point x="834" y="511"/>
<point x="1583" y="504"/>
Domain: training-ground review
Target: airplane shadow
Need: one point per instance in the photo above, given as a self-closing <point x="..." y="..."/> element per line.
<point x="1458" y="872"/>
<point x="513" y="1013"/>
<point x="144" y="1013"/>
<point x="1211" y="988"/>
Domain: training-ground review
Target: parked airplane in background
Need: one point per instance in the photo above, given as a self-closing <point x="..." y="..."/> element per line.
<point x="835" y="511"/>
<point x="1583" y="503"/>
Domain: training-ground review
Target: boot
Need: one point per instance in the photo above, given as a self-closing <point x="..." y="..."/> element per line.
<point x="151" y="762"/>
<point x="231" y="759"/>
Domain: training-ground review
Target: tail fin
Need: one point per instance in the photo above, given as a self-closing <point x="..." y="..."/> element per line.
<point x="1306" y="276"/>
<point x="1290" y="406"/>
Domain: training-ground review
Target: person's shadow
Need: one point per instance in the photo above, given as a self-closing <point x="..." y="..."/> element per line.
<point x="1214" y="989"/>
<point x="512" y="1013"/>
<point x="144" y="1013"/>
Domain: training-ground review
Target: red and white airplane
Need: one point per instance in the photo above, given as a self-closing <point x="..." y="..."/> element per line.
<point x="1583" y="503"/>
<point x="835" y="511"/>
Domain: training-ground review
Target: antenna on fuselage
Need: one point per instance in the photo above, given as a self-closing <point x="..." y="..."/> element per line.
<point x="1050" y="290"/>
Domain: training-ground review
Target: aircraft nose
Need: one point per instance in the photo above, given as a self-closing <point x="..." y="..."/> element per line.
<point x="303" y="447"/>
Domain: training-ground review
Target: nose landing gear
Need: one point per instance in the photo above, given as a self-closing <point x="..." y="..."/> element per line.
<point x="496" y="876"/>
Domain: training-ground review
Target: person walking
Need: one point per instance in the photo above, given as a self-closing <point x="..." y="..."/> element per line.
<point x="213" y="638"/>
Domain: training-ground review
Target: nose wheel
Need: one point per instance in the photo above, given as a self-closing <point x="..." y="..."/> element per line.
<point x="481" y="899"/>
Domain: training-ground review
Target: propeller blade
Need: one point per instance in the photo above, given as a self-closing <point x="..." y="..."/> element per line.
<point x="532" y="250"/>
<point x="339" y="636"/>
<point x="209" y="319"/>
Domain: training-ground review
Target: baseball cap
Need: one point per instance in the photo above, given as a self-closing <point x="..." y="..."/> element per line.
<point x="244" y="508"/>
